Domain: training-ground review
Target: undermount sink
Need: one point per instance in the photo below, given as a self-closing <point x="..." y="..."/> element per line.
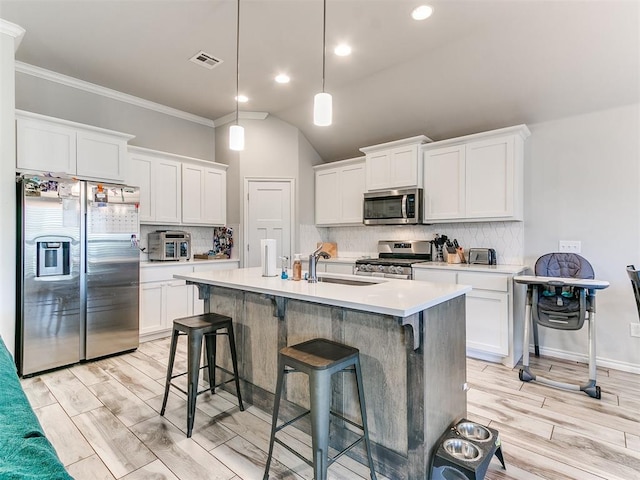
<point x="346" y="281"/>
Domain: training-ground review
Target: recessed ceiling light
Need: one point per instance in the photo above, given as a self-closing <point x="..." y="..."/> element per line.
<point x="422" y="12"/>
<point x="241" y="99"/>
<point x="342" y="50"/>
<point x="283" y="78"/>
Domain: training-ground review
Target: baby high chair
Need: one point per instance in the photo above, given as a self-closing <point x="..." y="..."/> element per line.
<point x="561" y="295"/>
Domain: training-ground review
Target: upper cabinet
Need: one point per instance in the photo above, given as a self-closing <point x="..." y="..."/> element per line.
<point x="339" y="192"/>
<point x="46" y="144"/>
<point x="204" y="194"/>
<point x="394" y="165"/>
<point x="475" y="178"/>
<point x="178" y="190"/>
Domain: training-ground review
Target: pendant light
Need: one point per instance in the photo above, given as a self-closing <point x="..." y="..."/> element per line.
<point x="322" y="102"/>
<point x="236" y="132"/>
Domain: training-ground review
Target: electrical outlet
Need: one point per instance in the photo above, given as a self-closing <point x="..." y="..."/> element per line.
<point x="569" y="246"/>
<point x="634" y="328"/>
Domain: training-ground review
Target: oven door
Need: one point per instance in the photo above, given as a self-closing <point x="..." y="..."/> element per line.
<point x="393" y="207"/>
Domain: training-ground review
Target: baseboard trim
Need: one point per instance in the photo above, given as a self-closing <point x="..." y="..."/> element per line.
<point x="584" y="358"/>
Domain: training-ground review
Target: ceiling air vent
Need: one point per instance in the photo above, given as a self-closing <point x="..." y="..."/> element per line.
<point x="205" y="60"/>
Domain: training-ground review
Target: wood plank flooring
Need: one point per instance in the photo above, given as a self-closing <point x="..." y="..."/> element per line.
<point x="103" y="420"/>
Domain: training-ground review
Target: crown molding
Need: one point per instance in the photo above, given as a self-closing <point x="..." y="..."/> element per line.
<point x="109" y="93"/>
<point x="231" y="117"/>
<point x="13" y="30"/>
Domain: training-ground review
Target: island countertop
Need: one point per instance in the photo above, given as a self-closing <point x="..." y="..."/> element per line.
<point x="400" y="298"/>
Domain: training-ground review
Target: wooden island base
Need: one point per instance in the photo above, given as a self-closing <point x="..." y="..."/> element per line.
<point x="412" y="395"/>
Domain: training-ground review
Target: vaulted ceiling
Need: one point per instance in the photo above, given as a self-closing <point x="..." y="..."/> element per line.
<point x="473" y="66"/>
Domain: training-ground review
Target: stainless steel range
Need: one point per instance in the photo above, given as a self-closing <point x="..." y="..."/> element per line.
<point x="395" y="259"/>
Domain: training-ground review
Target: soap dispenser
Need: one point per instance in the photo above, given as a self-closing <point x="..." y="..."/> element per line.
<point x="285" y="264"/>
<point x="297" y="267"/>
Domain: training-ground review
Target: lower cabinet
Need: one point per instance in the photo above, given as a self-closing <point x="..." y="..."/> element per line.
<point x="494" y="310"/>
<point x="164" y="298"/>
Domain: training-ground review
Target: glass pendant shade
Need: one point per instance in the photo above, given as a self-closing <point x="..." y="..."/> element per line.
<point x="236" y="138"/>
<point x="322" y="109"/>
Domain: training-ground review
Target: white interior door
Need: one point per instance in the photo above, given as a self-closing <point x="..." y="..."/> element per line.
<point x="268" y="215"/>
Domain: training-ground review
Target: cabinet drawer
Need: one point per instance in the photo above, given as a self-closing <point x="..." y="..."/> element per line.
<point x="437" y="276"/>
<point x="163" y="273"/>
<point x="485" y="281"/>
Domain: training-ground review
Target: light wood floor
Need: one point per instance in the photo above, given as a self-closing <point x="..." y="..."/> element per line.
<point x="102" y="418"/>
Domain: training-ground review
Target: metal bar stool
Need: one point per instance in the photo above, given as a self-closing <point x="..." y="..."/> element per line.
<point x="207" y="325"/>
<point x="319" y="359"/>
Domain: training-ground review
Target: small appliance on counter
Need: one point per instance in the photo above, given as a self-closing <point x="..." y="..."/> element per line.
<point x="482" y="256"/>
<point x="169" y="245"/>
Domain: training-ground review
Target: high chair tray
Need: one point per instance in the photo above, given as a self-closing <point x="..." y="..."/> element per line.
<point x="562" y="281"/>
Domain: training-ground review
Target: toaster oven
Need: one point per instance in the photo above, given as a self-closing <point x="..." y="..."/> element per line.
<point x="169" y="245"/>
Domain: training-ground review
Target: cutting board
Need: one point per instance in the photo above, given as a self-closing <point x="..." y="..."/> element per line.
<point x="330" y="247"/>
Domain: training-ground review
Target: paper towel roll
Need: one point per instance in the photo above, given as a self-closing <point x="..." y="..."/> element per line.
<point x="268" y="257"/>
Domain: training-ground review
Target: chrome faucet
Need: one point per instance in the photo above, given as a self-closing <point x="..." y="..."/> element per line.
<point x="313" y="263"/>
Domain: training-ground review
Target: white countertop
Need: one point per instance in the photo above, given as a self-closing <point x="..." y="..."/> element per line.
<point x="399" y="298"/>
<point x="147" y="263"/>
<point x="463" y="267"/>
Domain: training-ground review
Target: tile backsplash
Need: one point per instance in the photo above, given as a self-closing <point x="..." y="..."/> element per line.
<point x="506" y="237"/>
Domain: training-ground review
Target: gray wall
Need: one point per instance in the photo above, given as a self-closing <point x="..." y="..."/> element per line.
<point x="273" y="149"/>
<point x="582" y="182"/>
<point x="152" y="129"/>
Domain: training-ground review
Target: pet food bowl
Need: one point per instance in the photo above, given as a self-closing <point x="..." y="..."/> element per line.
<point x="461" y="449"/>
<point x="474" y="431"/>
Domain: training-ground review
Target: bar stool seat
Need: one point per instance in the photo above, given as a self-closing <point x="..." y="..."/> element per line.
<point x="206" y="326"/>
<point x="319" y="359"/>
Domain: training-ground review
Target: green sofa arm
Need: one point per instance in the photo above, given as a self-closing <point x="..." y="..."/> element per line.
<point x="25" y="452"/>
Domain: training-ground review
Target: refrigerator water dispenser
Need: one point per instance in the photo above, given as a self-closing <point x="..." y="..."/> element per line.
<point x="53" y="257"/>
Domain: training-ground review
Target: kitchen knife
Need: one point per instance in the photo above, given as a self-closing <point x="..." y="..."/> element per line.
<point x="450" y="247"/>
<point x="455" y="243"/>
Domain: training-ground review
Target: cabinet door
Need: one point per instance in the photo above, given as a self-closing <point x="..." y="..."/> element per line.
<point x="100" y="156"/>
<point x="352" y="188"/>
<point x="437" y="276"/>
<point x="488" y="321"/>
<point x="179" y="301"/>
<point x="140" y="174"/>
<point x="214" y="201"/>
<point x="45" y="147"/>
<point x="378" y="171"/>
<point x="403" y="167"/>
<point x="192" y="194"/>
<point x="327" y="197"/>
<point x="444" y="183"/>
<point x="152" y="318"/>
<point x="167" y="191"/>
<point x="490" y="178"/>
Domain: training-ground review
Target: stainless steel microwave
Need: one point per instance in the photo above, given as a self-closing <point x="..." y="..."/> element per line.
<point x="393" y="207"/>
<point x="169" y="245"/>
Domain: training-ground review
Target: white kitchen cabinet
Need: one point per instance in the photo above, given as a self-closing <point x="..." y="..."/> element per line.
<point x="46" y="144"/>
<point x="475" y="178"/>
<point x="339" y="192"/>
<point x="394" y="165"/>
<point x="164" y="298"/>
<point x="204" y="194"/>
<point x="159" y="178"/>
<point x="494" y="310"/>
<point x="444" y="183"/>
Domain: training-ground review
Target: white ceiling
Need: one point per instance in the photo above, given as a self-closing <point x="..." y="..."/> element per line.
<point x="474" y="65"/>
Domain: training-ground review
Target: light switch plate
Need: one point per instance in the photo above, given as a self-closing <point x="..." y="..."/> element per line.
<point x="634" y="329"/>
<point x="570" y="246"/>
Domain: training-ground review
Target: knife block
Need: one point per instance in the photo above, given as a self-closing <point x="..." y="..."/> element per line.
<point x="453" y="258"/>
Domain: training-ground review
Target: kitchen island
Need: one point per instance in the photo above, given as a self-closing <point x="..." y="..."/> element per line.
<point x="411" y="337"/>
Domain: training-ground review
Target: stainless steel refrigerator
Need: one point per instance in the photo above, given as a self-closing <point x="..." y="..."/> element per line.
<point x="78" y="272"/>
